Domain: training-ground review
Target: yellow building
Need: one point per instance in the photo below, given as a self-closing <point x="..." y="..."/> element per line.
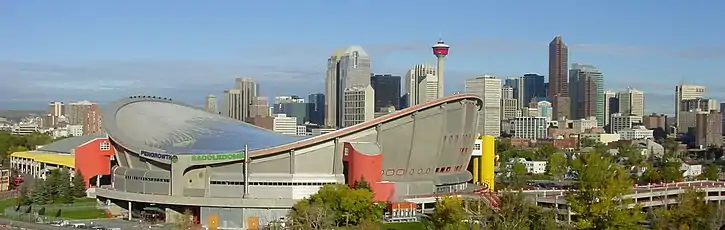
<point x="38" y="163"/>
<point x="483" y="161"/>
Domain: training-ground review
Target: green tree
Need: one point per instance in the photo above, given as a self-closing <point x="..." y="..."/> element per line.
<point x="503" y="144"/>
<point x="650" y="175"/>
<point x="516" y="176"/>
<point x="40" y="193"/>
<point x="516" y="213"/>
<point x="362" y="184"/>
<point x="52" y="183"/>
<point x="632" y="154"/>
<point x="691" y="212"/>
<point x="712" y="172"/>
<point x="64" y="194"/>
<point x="344" y="205"/>
<point x="671" y="148"/>
<point x="600" y="148"/>
<point x="307" y="215"/>
<point x="13" y="149"/>
<point x="78" y="185"/>
<point x="587" y="142"/>
<point x="556" y="166"/>
<point x="448" y="213"/>
<point x="670" y="171"/>
<point x="506" y="156"/>
<point x="599" y="202"/>
<point x="33" y="140"/>
<point x="24" y="195"/>
<point x="16" y="148"/>
<point x="544" y="151"/>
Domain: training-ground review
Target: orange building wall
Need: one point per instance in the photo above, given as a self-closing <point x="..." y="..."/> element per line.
<point x="369" y="167"/>
<point x="91" y="160"/>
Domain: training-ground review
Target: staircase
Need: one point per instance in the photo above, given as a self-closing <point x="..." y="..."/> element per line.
<point x="112" y="210"/>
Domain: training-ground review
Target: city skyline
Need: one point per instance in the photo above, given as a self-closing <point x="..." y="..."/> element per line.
<point x="102" y="71"/>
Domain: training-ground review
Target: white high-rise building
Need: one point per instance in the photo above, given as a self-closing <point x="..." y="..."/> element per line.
<point x="623" y="121"/>
<point x="610" y="101"/>
<point x="359" y="105"/>
<point x="56" y="109"/>
<point x="284" y="124"/>
<point x="211" y="104"/>
<point x="347" y="68"/>
<point x="684" y="92"/>
<point x="631" y="101"/>
<point x="530" y="127"/>
<point x="421" y="84"/>
<point x="232" y="104"/>
<point x="489" y="89"/>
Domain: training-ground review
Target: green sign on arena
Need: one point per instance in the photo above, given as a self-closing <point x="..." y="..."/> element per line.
<point x="218" y="157"/>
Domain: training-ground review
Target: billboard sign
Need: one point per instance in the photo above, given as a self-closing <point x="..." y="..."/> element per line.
<point x="157" y="155"/>
<point x="218" y="157"/>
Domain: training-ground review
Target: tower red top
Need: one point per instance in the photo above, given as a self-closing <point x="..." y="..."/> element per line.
<point x="440" y="49"/>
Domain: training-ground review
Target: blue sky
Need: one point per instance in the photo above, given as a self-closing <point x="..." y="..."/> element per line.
<point x="103" y="50"/>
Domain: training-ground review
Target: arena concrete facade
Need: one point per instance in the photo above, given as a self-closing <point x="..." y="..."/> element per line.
<point x="234" y="175"/>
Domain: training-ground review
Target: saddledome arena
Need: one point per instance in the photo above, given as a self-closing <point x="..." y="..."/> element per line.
<point x="175" y="157"/>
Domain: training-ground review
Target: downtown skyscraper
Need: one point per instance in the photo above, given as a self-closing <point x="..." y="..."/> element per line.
<point x="348" y="72"/>
<point x="489" y="89"/>
<point x="685" y="92"/>
<point x="421" y="84"/>
<point x="558" y="92"/>
<point x="239" y="101"/>
<point x="387" y="91"/>
<point x="586" y="88"/>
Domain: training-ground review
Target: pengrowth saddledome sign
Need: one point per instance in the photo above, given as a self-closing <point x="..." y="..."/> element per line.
<point x="218" y="157"/>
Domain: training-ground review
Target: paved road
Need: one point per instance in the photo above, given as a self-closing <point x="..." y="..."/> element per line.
<point x="13" y="224"/>
<point x="108" y="223"/>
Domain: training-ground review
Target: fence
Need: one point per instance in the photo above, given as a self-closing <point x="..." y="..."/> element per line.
<point x="30" y="213"/>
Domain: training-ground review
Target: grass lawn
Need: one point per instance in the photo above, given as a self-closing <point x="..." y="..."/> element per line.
<point x="12" y="202"/>
<point x="77" y="214"/>
<point x="84" y="200"/>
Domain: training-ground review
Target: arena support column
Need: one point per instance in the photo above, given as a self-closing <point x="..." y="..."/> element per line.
<point x="246" y="171"/>
<point x="488" y="156"/>
<point x="475" y="170"/>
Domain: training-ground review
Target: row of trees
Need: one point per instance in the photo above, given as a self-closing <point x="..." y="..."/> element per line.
<point x="338" y="206"/>
<point x="58" y="188"/>
<point x="599" y="202"/>
<point x="17" y="143"/>
<point x="643" y="169"/>
<point x="513" y="213"/>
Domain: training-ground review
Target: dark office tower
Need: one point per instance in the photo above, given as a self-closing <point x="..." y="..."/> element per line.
<point x="533" y="87"/>
<point x="404" y="101"/>
<point x="387" y="91"/>
<point x="546" y="91"/>
<point x="317" y="108"/>
<point x="558" y="79"/>
<point x="293" y="107"/>
<point x="586" y="88"/>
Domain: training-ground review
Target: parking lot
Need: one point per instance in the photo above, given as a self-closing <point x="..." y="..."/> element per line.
<point x="108" y="224"/>
<point x="99" y="224"/>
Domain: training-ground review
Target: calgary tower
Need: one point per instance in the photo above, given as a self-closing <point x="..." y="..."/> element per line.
<point x="440" y="50"/>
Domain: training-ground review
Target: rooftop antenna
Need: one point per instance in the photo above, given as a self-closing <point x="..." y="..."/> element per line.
<point x="440" y="35"/>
